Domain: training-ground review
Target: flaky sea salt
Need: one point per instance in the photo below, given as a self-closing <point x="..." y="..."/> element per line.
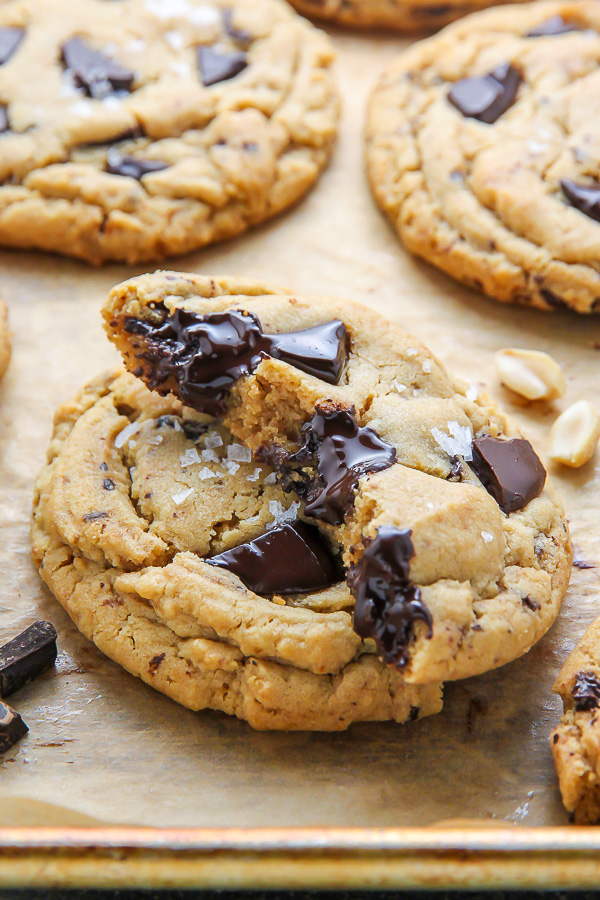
<point x="168" y="9"/>
<point x="459" y="441"/>
<point x="231" y="466"/>
<point x="112" y="102"/>
<point x="135" y="46"/>
<point x="271" y="478"/>
<point x="472" y="393"/>
<point x="203" y="15"/>
<point x="189" y="458"/>
<point x="213" y="440"/>
<point x="255" y="475"/>
<point x="487" y="536"/>
<point x="206" y="473"/>
<point x="174" y="39"/>
<point x="181" y="496"/>
<point x="411" y="351"/>
<point x="209" y="455"/>
<point x="239" y="453"/>
<point x="180" y="68"/>
<point x="82" y="108"/>
<point x="128" y="432"/>
<point x="282" y="515"/>
<point x="427" y="366"/>
<point x="399" y="386"/>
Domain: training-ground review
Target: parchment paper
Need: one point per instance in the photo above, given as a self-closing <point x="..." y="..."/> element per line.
<point x="105" y="746"/>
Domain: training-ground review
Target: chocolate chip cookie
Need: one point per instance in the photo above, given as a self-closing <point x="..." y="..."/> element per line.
<point x="4" y="340"/>
<point x="453" y="543"/>
<point x="136" y="129"/>
<point x="184" y="560"/>
<point x="482" y="148"/>
<point x="576" y="741"/>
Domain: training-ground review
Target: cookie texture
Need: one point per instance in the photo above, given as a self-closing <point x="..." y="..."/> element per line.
<point x="136" y="129"/>
<point x="396" y="15"/>
<point x="473" y="576"/>
<point x="575" y="742"/>
<point x="482" y="151"/>
<point x="4" y="340"/>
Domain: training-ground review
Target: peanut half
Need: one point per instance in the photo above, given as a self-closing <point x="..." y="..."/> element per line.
<point x="530" y="373"/>
<point x="575" y="434"/>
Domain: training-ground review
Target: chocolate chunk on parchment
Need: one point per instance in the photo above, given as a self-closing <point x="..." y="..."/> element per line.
<point x="96" y="73"/>
<point x="586" y="691"/>
<point x="206" y="355"/>
<point x="388" y="605"/>
<point x="288" y="559"/>
<point x="509" y="470"/>
<point x="10" y="38"/>
<point x="220" y="65"/>
<point x="27" y="656"/>
<point x="584" y="197"/>
<point x="12" y="727"/>
<point x="131" y="166"/>
<point x="552" y="27"/>
<point x="487" y="97"/>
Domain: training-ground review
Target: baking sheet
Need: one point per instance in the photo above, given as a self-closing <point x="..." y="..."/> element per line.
<point x="105" y="748"/>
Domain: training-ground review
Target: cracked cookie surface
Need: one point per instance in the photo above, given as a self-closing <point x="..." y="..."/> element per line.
<point x="484" y="573"/>
<point x="145" y="128"/>
<point x="482" y="149"/>
<point x="4" y="340"/>
<point x="136" y="494"/>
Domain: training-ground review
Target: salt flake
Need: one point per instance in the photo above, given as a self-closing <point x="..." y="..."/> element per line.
<point x="206" y="473"/>
<point x="399" y="386"/>
<point x="213" y="440"/>
<point x="182" y="496"/>
<point x="239" y="453"/>
<point x="282" y="515"/>
<point x="189" y="458"/>
<point x="427" y="366"/>
<point x="231" y="466"/>
<point x="255" y="475"/>
<point x="459" y="441"/>
<point x="487" y="536"/>
<point x="128" y="432"/>
<point x="271" y="478"/>
<point x="174" y="39"/>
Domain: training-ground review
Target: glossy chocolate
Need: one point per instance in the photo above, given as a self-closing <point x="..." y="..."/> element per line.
<point x="97" y="74"/>
<point x="27" y="656"/>
<point x="288" y="559"/>
<point x="552" y="27"/>
<point x="509" y="470"/>
<point x="584" y="197"/>
<point x="10" y="38"/>
<point x="131" y="166"/>
<point x="220" y="65"/>
<point x="388" y="605"/>
<point x="487" y="97"/>
<point x="12" y="727"/>
<point x="586" y="691"/>
<point x="206" y="355"/>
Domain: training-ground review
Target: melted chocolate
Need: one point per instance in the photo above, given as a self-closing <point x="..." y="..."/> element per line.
<point x="207" y="354"/>
<point x="487" y="97"/>
<point x="584" y="197"/>
<point x="219" y="65"/>
<point x="10" y="38"/>
<point x="12" y="727"/>
<point x="4" y="123"/>
<point x="509" y="470"/>
<point x="586" y="691"/>
<point x="342" y="452"/>
<point x="388" y="605"/>
<point x="131" y="166"/>
<point x="552" y="27"/>
<point x="96" y="73"/>
<point x="288" y="559"/>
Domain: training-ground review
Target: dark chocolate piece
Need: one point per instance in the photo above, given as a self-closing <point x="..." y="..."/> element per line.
<point x="131" y="166"/>
<point x="96" y="73"/>
<point x="487" y="97"/>
<point x="586" y="691"/>
<point x="206" y="355"/>
<point x="388" y="605"/>
<point x="509" y="470"/>
<point x="12" y="727"/>
<point x="220" y="65"/>
<point x="4" y="123"/>
<point x="10" y="38"/>
<point x="342" y="452"/>
<point x="288" y="559"/>
<point x="26" y="656"/>
<point x="553" y="26"/>
<point x="239" y="35"/>
<point x="584" y="197"/>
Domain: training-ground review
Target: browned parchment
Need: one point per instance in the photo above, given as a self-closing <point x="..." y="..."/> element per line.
<point x="107" y="747"/>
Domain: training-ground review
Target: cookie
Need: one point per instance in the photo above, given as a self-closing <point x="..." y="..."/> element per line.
<point x="454" y="544"/>
<point x="575" y="742"/>
<point x="135" y="130"/>
<point x="4" y="340"/>
<point x="395" y="15"/>
<point x="482" y="151"/>
<point x="137" y="493"/>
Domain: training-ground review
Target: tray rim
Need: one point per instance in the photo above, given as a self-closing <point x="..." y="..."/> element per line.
<point x="301" y="858"/>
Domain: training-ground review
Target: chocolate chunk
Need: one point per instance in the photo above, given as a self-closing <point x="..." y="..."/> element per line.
<point x="388" y="605"/>
<point x="4" y="123"/>
<point x="553" y="26"/>
<point x="26" y="656"/>
<point x="206" y="355"/>
<point x="586" y="691"/>
<point x="12" y="727"/>
<point x="342" y="452"/>
<point x="288" y="559"/>
<point x="131" y="166"/>
<point x="584" y="197"/>
<point x="220" y="65"/>
<point x="509" y="470"/>
<point x="488" y="96"/>
<point x="10" y="38"/>
<point x="239" y="35"/>
<point x="96" y="73"/>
